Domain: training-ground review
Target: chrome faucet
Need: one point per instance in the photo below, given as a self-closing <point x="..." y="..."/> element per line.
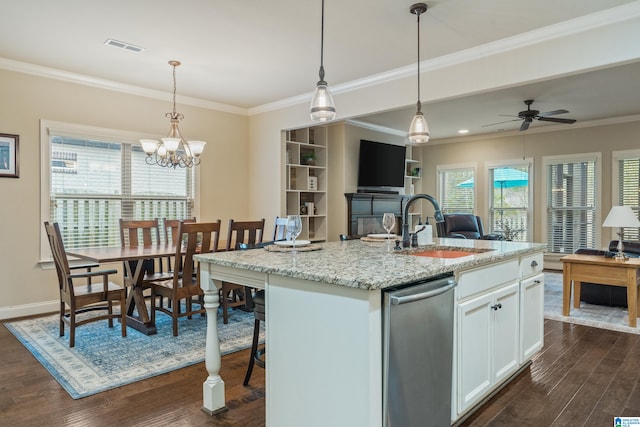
<point x="406" y="238"/>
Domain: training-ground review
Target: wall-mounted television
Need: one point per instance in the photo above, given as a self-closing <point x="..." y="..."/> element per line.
<point x="380" y="165"/>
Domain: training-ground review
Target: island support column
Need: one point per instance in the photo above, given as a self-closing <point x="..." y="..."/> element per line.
<point x="213" y="388"/>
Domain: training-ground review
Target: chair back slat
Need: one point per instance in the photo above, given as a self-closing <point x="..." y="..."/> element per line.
<point x="59" y="257"/>
<point x="197" y="238"/>
<point x="171" y="229"/>
<point x="250" y="232"/>
<point x="134" y="233"/>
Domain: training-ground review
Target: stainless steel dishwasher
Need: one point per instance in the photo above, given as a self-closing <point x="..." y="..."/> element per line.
<point x="418" y="347"/>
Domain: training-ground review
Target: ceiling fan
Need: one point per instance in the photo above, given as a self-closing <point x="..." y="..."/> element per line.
<point x="527" y="116"/>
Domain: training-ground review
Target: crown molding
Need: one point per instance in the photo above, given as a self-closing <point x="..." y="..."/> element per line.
<point x="66" y="76"/>
<point x="552" y="32"/>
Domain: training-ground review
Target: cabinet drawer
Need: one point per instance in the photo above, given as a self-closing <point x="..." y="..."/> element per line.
<point x="531" y="264"/>
<point x="482" y="279"/>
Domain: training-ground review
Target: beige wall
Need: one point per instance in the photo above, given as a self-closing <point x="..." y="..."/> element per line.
<point x="25" y="287"/>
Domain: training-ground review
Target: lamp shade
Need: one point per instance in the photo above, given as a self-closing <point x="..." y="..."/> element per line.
<point x="322" y="108"/>
<point x="419" y="129"/>
<point x="621" y="216"/>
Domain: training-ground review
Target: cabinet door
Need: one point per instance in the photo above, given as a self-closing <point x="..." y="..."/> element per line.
<point x="532" y="324"/>
<point x="506" y="333"/>
<point x="474" y="350"/>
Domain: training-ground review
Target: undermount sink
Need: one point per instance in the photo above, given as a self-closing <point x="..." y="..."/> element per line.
<point x="446" y="252"/>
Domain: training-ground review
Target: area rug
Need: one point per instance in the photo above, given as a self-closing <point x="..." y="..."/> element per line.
<point x="102" y="359"/>
<point x="598" y="316"/>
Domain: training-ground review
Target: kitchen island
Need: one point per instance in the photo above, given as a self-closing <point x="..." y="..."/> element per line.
<point x="324" y="323"/>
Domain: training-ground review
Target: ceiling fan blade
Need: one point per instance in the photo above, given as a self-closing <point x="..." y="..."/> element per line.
<point x="525" y="125"/>
<point x="499" y="123"/>
<point x="552" y="113"/>
<point x="556" y="120"/>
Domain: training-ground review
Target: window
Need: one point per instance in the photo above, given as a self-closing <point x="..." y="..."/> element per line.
<point x="626" y="184"/>
<point x="510" y="199"/>
<point x="571" y="193"/>
<point x="93" y="177"/>
<point x="456" y="188"/>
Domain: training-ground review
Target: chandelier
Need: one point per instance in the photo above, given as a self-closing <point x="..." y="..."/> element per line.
<point x="173" y="151"/>
<point x="419" y="129"/>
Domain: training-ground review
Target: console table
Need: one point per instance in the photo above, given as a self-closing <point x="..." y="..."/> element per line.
<point x="600" y="270"/>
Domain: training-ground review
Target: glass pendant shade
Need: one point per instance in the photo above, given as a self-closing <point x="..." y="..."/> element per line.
<point x="149" y="145"/>
<point x="322" y="108"/>
<point x="171" y="144"/>
<point x="196" y="147"/>
<point x="419" y="129"/>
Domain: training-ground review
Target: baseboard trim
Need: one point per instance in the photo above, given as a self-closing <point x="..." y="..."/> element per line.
<point x="29" y="309"/>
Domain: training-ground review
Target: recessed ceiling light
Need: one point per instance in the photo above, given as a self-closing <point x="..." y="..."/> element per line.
<point x="122" y="45"/>
<point x="463" y="131"/>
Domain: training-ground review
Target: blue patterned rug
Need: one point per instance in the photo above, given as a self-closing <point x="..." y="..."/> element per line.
<point x="102" y="359"/>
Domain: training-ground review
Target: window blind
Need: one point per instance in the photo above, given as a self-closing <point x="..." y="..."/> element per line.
<point x="571" y="205"/>
<point x="629" y="190"/>
<point x="456" y="190"/>
<point x="94" y="183"/>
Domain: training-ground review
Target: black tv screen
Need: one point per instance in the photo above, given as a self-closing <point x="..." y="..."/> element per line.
<point x="381" y="164"/>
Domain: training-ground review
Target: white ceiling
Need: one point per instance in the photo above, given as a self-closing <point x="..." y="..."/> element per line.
<point x="247" y="54"/>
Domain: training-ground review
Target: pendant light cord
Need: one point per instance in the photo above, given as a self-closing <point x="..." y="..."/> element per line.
<point x="419" y="104"/>
<point x="321" y="73"/>
<point x="174" y="91"/>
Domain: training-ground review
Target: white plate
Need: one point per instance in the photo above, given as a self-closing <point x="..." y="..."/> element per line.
<point x="290" y="243"/>
<point x="381" y="236"/>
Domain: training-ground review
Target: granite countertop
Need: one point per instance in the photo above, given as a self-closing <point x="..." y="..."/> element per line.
<point x="365" y="265"/>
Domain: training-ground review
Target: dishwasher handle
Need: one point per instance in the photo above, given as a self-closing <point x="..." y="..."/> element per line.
<point x="396" y="300"/>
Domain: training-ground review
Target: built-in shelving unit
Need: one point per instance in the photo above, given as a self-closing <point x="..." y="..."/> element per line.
<point x="412" y="174"/>
<point x="306" y="180"/>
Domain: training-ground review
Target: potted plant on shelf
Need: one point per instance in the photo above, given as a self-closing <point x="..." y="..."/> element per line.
<point x="308" y="158"/>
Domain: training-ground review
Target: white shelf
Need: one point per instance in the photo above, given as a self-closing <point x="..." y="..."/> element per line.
<point x="307" y="179"/>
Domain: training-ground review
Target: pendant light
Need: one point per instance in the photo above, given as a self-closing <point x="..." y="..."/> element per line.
<point x="322" y="108"/>
<point x="419" y="129"/>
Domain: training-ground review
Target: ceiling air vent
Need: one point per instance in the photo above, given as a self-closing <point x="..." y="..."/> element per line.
<point x="122" y="45"/>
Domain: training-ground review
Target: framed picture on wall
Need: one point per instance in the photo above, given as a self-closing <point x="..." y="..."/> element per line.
<point x="9" y="155"/>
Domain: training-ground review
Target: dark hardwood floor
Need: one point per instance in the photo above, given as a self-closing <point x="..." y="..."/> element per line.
<point x="583" y="377"/>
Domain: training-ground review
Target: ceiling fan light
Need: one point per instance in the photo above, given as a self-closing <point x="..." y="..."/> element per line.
<point x="419" y="129"/>
<point x="322" y="108"/>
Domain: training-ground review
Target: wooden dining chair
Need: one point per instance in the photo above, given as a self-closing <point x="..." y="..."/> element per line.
<point x="85" y="297"/>
<point x="280" y="228"/>
<point x="232" y="294"/>
<point x="170" y="228"/>
<point x="184" y="285"/>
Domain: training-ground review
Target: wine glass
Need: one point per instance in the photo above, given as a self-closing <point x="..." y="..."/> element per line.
<point x="388" y="222"/>
<point x="294" y="228"/>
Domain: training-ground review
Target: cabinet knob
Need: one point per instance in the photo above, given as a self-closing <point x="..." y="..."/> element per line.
<point x="497" y="306"/>
<point x="534" y="263"/>
<point x="537" y="281"/>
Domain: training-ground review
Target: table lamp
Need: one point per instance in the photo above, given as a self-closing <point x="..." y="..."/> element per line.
<point x="621" y="216"/>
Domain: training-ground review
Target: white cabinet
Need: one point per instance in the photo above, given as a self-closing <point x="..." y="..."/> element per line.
<point x="531" y="306"/>
<point x="412" y="173"/>
<point x="306" y="180"/>
<point x="488" y="342"/>
<point x="499" y="326"/>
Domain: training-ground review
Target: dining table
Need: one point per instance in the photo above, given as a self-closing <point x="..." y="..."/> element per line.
<point x="137" y="313"/>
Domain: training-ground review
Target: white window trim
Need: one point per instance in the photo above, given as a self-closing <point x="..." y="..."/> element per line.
<point x="548" y="160"/>
<point x="48" y="127"/>
<point x="528" y="162"/>
<point x="616" y="156"/>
